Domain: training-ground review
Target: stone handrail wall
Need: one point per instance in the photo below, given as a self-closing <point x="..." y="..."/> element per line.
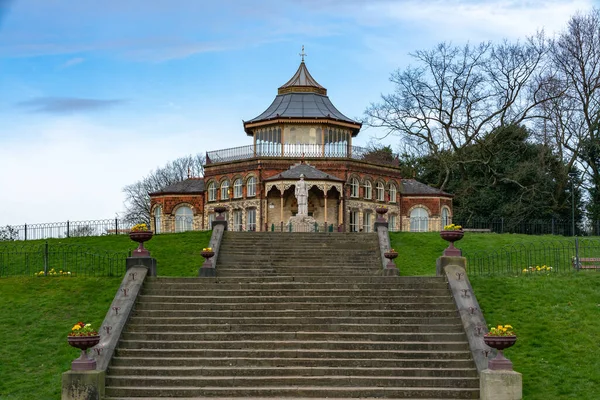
<point x="117" y="316"/>
<point x="453" y="268"/>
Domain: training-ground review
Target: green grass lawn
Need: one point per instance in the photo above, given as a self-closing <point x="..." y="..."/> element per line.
<point x="557" y="320"/>
<point x="556" y="316"/>
<point x="417" y="252"/>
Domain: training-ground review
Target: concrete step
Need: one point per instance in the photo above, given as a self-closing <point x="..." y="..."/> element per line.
<point x="325" y="354"/>
<point x="281" y="371"/>
<point x="405" y="324"/>
<point x="275" y="326"/>
<point x="280" y="392"/>
<point x="284" y="303"/>
<point x="303" y="335"/>
<point x="201" y="284"/>
<point x="383" y="312"/>
<point x="290" y="279"/>
<point x="265" y="381"/>
<point x="307" y="344"/>
<point x="276" y="362"/>
<point x="390" y="294"/>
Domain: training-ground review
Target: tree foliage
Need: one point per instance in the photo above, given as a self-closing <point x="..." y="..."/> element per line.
<point x="137" y="198"/>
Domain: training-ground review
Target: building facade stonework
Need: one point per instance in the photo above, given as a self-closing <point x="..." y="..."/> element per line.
<point x="300" y="133"/>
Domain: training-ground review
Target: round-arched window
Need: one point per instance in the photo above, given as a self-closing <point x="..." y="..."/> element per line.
<point x="419" y="220"/>
<point x="157" y="219"/>
<point x="184" y="218"/>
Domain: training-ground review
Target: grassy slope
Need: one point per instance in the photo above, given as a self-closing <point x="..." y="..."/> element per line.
<point x="556" y="316"/>
<point x="557" y="322"/>
<point x="417" y="252"/>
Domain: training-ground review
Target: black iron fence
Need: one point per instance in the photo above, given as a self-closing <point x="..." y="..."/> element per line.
<point x="58" y="230"/>
<point x="336" y="150"/>
<point x="533" y="258"/>
<point x="509" y="225"/>
<point x="58" y="260"/>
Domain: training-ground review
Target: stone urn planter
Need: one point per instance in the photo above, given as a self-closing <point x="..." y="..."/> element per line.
<point x="83" y="363"/>
<point x="452" y="236"/>
<point x="140" y="237"/>
<point x="207" y="269"/>
<point x="381" y="211"/>
<point x="500" y="343"/>
<point x="390" y="255"/>
<point x="220" y="210"/>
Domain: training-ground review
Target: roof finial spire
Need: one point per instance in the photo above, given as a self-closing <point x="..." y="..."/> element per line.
<point x="303" y="53"/>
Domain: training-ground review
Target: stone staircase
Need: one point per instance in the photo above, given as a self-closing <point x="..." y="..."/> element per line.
<point x="294" y="315"/>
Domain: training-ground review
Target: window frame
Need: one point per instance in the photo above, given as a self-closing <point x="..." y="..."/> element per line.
<point x="225" y="190"/>
<point x="354" y="188"/>
<point x="212" y="191"/>
<point x="237" y="189"/>
<point x="380" y="191"/>
<point x="368" y="190"/>
<point x="184" y="223"/>
<point x="393" y="190"/>
<point x="251" y="187"/>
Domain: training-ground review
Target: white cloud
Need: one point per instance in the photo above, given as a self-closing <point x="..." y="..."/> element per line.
<point x="72" y="62"/>
<point x="75" y="169"/>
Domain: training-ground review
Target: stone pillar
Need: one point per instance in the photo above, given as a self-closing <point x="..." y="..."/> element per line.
<point x="325" y="209"/>
<point x="281" y="209"/>
<point x="83" y="385"/>
<point x="500" y="385"/>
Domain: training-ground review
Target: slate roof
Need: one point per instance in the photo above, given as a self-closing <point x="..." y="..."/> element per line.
<point x="302" y="97"/>
<point x="309" y="172"/>
<point x="413" y="187"/>
<point x="302" y="78"/>
<point x="301" y="105"/>
<point x="191" y="185"/>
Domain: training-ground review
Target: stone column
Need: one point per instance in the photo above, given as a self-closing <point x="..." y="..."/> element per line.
<point x="281" y="209"/>
<point x="325" y="208"/>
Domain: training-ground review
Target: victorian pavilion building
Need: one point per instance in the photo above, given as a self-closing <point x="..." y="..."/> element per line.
<point x="300" y="133"/>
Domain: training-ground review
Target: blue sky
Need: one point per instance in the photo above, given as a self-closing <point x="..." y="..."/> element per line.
<point x="96" y="94"/>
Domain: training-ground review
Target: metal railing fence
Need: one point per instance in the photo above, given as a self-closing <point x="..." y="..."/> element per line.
<point x="25" y="259"/>
<point x="335" y="150"/>
<point x="532" y="258"/>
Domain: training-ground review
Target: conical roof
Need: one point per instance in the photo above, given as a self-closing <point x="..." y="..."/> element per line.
<point x="302" y="98"/>
<point x="302" y="82"/>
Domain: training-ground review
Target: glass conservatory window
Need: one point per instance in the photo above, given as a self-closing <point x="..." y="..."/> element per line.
<point x="184" y="218"/>
<point x="157" y="219"/>
<point x="419" y="220"/>
<point x="445" y="217"/>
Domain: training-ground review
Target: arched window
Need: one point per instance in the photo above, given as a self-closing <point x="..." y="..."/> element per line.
<point x="354" y="185"/>
<point x="367" y="221"/>
<point x="380" y="191"/>
<point x="392" y="223"/>
<point x="251" y="187"/>
<point x="419" y="220"/>
<point x="157" y="218"/>
<point x="368" y="190"/>
<point x="392" y="193"/>
<point x="212" y="192"/>
<point x="225" y="190"/>
<point x="237" y="189"/>
<point x="445" y="217"/>
<point x="184" y="218"/>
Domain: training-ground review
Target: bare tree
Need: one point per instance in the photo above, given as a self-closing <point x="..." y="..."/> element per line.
<point x="137" y="198"/>
<point x="574" y="118"/>
<point x="454" y="95"/>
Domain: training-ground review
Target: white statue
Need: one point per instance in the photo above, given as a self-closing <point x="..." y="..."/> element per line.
<point x="302" y="197"/>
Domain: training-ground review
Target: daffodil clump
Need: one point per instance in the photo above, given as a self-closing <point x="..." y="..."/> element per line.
<point x="392" y="251"/>
<point x="207" y="249"/>
<point x="140" y="228"/>
<point x="501" y="330"/>
<point x="83" y="329"/>
<point x="53" y="272"/>
<point x="452" y="227"/>
<point x="537" y="269"/>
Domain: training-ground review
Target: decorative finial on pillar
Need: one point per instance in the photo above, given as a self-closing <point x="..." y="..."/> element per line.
<point x="189" y="173"/>
<point x="303" y="53"/>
